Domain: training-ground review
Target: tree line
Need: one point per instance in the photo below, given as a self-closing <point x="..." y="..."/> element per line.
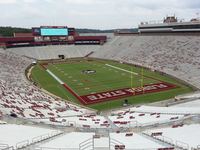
<point x="9" y="31"/>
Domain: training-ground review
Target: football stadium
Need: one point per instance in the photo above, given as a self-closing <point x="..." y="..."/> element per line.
<point x="122" y="90"/>
<point x="104" y="84"/>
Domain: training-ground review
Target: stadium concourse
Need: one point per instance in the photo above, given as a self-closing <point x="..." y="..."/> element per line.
<point x="30" y="118"/>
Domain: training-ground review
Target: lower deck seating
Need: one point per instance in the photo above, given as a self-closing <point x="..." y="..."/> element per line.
<point x="11" y="135"/>
<point x="131" y="118"/>
<point x="117" y="140"/>
<point x="184" y="136"/>
<point x="20" y="98"/>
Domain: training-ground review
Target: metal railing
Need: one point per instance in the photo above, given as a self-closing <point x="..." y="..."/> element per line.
<point x="182" y="145"/>
<point x="175" y="143"/>
<point x="22" y="144"/>
<point x="161" y="138"/>
<point x="49" y="148"/>
<point x="8" y="148"/>
<point x="34" y="140"/>
<point x="87" y="144"/>
<point x="3" y="146"/>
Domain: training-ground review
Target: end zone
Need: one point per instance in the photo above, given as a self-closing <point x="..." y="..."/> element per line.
<point x="126" y="92"/>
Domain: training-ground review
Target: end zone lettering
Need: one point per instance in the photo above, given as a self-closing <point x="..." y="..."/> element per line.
<point x="106" y="95"/>
<point x="126" y="92"/>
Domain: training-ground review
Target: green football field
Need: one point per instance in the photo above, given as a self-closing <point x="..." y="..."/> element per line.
<point x="96" y="76"/>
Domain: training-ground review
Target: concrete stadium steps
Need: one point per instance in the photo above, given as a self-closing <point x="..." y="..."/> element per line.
<point x="181" y="136"/>
<point x="92" y="140"/>
<point x="11" y="135"/>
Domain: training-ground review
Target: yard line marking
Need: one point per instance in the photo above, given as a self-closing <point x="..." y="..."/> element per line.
<point x="121" y="69"/>
<point x="55" y="77"/>
<point x="69" y="89"/>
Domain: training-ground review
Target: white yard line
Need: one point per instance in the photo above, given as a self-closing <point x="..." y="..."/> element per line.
<point x="121" y="69"/>
<point x="55" y="77"/>
<point x="62" y="83"/>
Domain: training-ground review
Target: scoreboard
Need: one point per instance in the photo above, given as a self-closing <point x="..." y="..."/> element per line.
<point x="51" y="31"/>
<point x="54" y="31"/>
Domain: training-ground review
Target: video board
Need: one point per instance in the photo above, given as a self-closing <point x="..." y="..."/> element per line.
<point x="54" y="31"/>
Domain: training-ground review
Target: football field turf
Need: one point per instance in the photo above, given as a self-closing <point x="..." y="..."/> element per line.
<point x="93" y="79"/>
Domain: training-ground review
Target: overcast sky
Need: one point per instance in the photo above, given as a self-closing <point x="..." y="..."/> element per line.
<point x="96" y="14"/>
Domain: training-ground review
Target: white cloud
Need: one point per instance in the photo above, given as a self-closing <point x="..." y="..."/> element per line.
<point x="79" y="1"/>
<point x="7" y="1"/>
<point x="102" y="14"/>
<point x="29" y="1"/>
